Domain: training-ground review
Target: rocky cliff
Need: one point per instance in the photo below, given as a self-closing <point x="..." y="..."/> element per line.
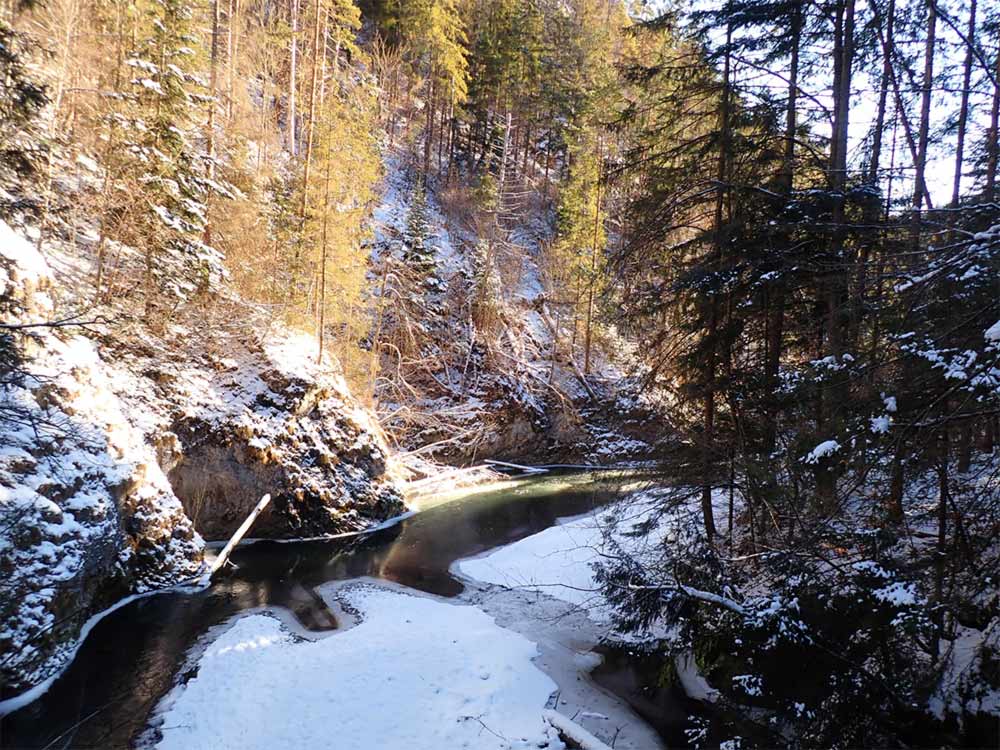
<point x="122" y="446"/>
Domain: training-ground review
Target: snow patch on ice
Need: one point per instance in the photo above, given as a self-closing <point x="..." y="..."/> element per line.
<point x="415" y="673"/>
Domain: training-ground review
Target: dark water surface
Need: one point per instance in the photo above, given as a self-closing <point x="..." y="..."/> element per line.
<point x="132" y="657"/>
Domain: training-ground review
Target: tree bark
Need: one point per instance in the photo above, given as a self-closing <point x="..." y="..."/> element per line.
<point x="920" y="184"/>
<point x="708" y="417"/>
<point x="776" y="293"/>
<point x="888" y="48"/>
<point x="213" y="78"/>
<point x="429" y="126"/>
<point x="292" y="82"/>
<point x="963" y="113"/>
<point x="993" y="140"/>
<point x="593" y="266"/>
<point x="836" y="291"/>
<point x="323" y="254"/>
<point x="310" y="123"/>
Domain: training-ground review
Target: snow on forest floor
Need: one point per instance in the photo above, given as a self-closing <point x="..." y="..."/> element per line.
<point x="412" y="673"/>
<point x="535" y="379"/>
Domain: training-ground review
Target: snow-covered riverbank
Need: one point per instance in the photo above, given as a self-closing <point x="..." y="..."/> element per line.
<point x="484" y="670"/>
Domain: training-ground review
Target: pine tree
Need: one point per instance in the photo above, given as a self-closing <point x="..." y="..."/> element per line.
<point x="419" y="252"/>
<point x="21" y="144"/>
<point x="166" y="155"/>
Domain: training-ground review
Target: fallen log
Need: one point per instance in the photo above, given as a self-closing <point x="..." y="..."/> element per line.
<point x="572" y="731"/>
<point x="519" y="467"/>
<point x="240" y="533"/>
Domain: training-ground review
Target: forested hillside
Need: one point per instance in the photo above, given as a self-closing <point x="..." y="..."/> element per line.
<point x="323" y="249"/>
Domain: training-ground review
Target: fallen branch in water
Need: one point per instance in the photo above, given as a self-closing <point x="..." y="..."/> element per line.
<point x="240" y="532"/>
<point x="525" y="469"/>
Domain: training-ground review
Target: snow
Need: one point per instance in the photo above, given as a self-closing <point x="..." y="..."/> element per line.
<point x="28" y="263"/>
<point x="584" y="739"/>
<point x="961" y="688"/>
<point x="557" y="561"/>
<point x="880" y="425"/>
<point x="993" y="333"/>
<point x="821" y="451"/>
<point x="78" y="486"/>
<point x="413" y="674"/>
<point x="897" y="593"/>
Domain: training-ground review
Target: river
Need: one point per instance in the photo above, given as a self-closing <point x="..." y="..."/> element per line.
<point x="137" y="653"/>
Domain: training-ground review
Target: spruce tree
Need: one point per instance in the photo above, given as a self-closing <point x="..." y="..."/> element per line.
<point x="21" y="100"/>
<point x="419" y="250"/>
<point x="166" y="154"/>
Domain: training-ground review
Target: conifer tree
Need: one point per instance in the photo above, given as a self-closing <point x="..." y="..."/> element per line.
<point x="166" y="155"/>
<point x="419" y="251"/>
<point x="21" y="100"/>
<point x="435" y="36"/>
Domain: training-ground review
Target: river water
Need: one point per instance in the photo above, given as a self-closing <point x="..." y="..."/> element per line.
<point x="134" y="655"/>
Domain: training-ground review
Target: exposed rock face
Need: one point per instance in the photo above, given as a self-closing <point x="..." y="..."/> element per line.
<point x="280" y="424"/>
<point x="117" y="445"/>
<point x="86" y="513"/>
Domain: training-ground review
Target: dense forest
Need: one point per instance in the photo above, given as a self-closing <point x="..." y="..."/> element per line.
<point x="774" y="223"/>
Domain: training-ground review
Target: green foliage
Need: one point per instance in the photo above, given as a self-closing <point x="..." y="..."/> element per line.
<point x="419" y="252"/>
<point x="578" y="251"/>
<point x="434" y="33"/>
<point x="487" y="305"/>
<point x="165" y="155"/>
<point x="21" y="99"/>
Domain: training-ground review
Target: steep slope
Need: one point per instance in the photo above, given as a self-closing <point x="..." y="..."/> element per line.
<point x="476" y="362"/>
<point x="87" y="513"/>
<point x="120" y="442"/>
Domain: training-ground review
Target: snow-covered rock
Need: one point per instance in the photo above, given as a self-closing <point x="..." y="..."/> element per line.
<point x="262" y="418"/>
<point x="86" y="513"/>
<point x="122" y="439"/>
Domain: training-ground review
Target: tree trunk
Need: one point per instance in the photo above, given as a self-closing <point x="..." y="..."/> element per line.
<point x="708" y="429"/>
<point x="310" y="123"/>
<point x="920" y="166"/>
<point x="963" y="113"/>
<point x="429" y="126"/>
<point x="940" y="560"/>
<point x="292" y="83"/>
<point x="894" y="505"/>
<point x="873" y="209"/>
<point x="836" y="292"/>
<point x="212" y="87"/>
<point x="993" y="140"/>
<point x="322" y="264"/>
<point x="776" y="293"/>
<point x="888" y="48"/>
<point x="231" y="42"/>
<point x="593" y="265"/>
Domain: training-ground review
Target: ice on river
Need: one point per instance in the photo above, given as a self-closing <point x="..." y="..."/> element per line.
<point x="416" y="674"/>
<point x="557" y="561"/>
